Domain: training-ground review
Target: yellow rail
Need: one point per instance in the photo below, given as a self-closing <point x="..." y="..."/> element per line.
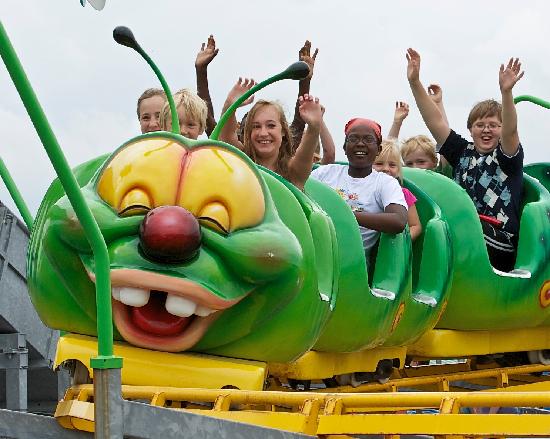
<point x="334" y="413"/>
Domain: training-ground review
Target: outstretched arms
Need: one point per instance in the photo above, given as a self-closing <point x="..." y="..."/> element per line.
<point x="300" y="164"/>
<point x="229" y="131"/>
<point x="507" y="78"/>
<point x="297" y="126"/>
<point x="400" y="114"/>
<point x="207" y="53"/>
<point x="433" y="118"/>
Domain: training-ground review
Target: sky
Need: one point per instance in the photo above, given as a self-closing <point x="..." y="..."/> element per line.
<point x="88" y="85"/>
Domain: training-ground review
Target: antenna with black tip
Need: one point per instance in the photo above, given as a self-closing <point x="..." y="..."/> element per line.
<point x="296" y="71"/>
<point x="125" y="37"/>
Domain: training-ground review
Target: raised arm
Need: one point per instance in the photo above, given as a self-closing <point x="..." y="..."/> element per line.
<point x="507" y="78"/>
<point x="435" y="93"/>
<point x="429" y="111"/>
<point x="207" y="53"/>
<point x="297" y="126"/>
<point x="327" y="145"/>
<point x="300" y="164"/>
<point x="400" y="114"/>
<point x="392" y="220"/>
<point x="228" y="133"/>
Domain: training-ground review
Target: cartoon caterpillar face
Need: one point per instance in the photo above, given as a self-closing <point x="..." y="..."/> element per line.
<point x="198" y="253"/>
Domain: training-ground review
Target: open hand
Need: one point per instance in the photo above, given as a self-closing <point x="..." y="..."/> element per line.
<point x="508" y="76"/>
<point x="310" y="110"/>
<point x="401" y="111"/>
<point x="207" y="53"/>
<point x="435" y="93"/>
<point x="305" y="55"/>
<point x="240" y="88"/>
<point x="413" y="65"/>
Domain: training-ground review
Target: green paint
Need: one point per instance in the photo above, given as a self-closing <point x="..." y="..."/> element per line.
<point x="16" y="195"/>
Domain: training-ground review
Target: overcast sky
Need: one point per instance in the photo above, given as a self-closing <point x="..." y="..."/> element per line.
<point x="88" y="85"/>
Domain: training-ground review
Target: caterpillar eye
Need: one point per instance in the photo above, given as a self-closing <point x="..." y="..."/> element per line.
<point x="211" y="223"/>
<point x="215" y="216"/>
<point x="134" y="210"/>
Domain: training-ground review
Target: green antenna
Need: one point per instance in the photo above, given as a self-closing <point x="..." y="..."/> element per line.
<point x="298" y="70"/>
<point x="105" y="359"/>
<point x="532" y="99"/>
<point x="125" y="37"/>
<point x="16" y="195"/>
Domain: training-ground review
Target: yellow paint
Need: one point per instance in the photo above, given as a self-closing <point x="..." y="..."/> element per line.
<point x="398" y="316"/>
<point x="147" y="367"/>
<point x="319" y="365"/>
<point x="159" y="172"/>
<point x="332" y="414"/>
<point x="544" y="295"/>
<point x="444" y="343"/>
<point x="153" y="166"/>
<point x="229" y="183"/>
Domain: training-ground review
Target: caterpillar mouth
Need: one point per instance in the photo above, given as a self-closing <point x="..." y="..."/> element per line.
<point x="160" y="312"/>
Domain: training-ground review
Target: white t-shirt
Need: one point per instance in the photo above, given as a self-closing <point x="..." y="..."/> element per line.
<point x="371" y="194"/>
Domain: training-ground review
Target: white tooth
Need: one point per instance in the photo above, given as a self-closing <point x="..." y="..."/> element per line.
<point x="204" y="311"/>
<point x="115" y="291"/>
<point x="136" y="297"/>
<point x="179" y="306"/>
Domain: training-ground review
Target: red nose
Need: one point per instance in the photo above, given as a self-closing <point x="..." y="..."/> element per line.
<point x="170" y="234"/>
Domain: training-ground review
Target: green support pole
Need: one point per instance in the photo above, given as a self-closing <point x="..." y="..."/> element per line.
<point x="16" y="195"/>
<point x="105" y="358"/>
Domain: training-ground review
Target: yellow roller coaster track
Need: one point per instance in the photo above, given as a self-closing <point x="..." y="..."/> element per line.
<point x="389" y="412"/>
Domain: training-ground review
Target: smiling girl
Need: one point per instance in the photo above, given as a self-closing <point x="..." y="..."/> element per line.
<point x="375" y="198"/>
<point x="267" y="139"/>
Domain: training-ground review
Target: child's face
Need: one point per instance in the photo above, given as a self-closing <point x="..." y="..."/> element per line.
<point x="387" y="166"/>
<point x="266" y="135"/>
<point x="361" y="146"/>
<point x="149" y="112"/>
<point x="189" y="127"/>
<point x="486" y="134"/>
<point x="419" y="159"/>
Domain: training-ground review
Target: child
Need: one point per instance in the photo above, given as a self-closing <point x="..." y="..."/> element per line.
<point x="267" y="139"/>
<point x="419" y="152"/>
<point x="149" y="105"/>
<point x="389" y="162"/>
<point x="490" y="168"/>
<point x="375" y="198"/>
<point x="192" y="113"/>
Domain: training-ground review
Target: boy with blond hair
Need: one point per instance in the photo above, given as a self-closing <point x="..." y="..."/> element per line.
<point x="490" y="168"/>
<point x="192" y="114"/>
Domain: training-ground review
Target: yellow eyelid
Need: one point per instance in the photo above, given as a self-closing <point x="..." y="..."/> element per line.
<point x="216" y="214"/>
<point x="135" y="202"/>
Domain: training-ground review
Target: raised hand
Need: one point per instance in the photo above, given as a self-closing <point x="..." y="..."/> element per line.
<point x="310" y="110"/>
<point x="413" y="65"/>
<point x="401" y="111"/>
<point x="240" y="88"/>
<point x="508" y="76"/>
<point x="305" y="55"/>
<point x="207" y="53"/>
<point x="435" y="93"/>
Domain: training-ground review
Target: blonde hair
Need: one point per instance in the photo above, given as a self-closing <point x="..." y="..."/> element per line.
<point x="390" y="151"/>
<point x="286" y="149"/>
<point x="419" y="143"/>
<point x="193" y="106"/>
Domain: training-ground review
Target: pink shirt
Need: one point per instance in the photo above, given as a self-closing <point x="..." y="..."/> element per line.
<point x="410" y="199"/>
